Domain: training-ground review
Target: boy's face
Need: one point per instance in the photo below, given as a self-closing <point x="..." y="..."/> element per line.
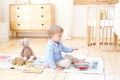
<point x="57" y="37"/>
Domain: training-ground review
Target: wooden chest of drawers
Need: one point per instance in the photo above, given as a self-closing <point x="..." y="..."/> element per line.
<point x="30" y="17"/>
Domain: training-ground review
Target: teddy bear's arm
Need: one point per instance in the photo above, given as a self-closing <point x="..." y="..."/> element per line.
<point x="32" y="53"/>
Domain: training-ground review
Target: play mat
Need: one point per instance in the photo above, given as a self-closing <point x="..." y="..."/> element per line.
<point x="39" y="65"/>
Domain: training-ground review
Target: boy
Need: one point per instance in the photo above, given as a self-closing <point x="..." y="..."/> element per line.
<point x="55" y="47"/>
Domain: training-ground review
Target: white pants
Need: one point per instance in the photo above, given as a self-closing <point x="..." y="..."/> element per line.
<point x="65" y="63"/>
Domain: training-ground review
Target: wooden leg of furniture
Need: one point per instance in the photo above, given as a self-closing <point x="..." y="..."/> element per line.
<point x="115" y="39"/>
<point x="88" y="35"/>
<point x="17" y="34"/>
<point x="118" y="43"/>
<point x="12" y="34"/>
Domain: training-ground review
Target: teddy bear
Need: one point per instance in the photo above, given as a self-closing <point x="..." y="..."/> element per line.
<point x="26" y="53"/>
<point x="18" y="61"/>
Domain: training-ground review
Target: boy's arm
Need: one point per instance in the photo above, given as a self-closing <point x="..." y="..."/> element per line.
<point x="50" y="57"/>
<point x="66" y="49"/>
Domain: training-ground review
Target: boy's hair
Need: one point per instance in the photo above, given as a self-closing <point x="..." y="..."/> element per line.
<point x="54" y="29"/>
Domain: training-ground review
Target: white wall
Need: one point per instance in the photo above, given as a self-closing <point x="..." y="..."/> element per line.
<point x="4" y="20"/>
<point x="79" y="21"/>
<point x="73" y="18"/>
<point x="4" y="11"/>
<point x="64" y="15"/>
<point x="1" y="11"/>
<point x="117" y="19"/>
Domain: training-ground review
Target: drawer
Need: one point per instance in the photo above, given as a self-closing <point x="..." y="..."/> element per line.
<point x="24" y="9"/>
<point x="21" y="26"/>
<point x="34" y="17"/>
<point x="30" y="26"/>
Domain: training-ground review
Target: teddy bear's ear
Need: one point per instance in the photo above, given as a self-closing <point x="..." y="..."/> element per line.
<point x="26" y="41"/>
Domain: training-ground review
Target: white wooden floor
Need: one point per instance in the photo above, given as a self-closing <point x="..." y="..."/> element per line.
<point x="111" y="62"/>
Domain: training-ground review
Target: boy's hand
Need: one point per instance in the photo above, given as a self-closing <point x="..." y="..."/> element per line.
<point x="58" y="68"/>
<point x="75" y="48"/>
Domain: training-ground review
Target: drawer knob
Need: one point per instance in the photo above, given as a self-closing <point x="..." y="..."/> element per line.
<point x="42" y="24"/>
<point x="18" y="24"/>
<point x="42" y="7"/>
<point x="18" y="8"/>
<point x="18" y="16"/>
<point x="42" y="16"/>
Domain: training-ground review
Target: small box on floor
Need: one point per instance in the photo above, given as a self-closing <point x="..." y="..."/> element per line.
<point x="82" y="65"/>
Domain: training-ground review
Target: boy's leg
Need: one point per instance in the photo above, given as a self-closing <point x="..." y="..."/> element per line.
<point x="71" y="58"/>
<point x="65" y="63"/>
<point x="31" y="59"/>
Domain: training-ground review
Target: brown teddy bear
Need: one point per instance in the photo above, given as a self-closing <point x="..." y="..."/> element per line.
<point x="18" y="61"/>
<point x="27" y="53"/>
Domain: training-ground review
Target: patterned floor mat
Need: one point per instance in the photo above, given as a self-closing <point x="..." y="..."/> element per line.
<point x="38" y="65"/>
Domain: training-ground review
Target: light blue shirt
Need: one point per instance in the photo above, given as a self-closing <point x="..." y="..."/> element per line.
<point x="53" y="53"/>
